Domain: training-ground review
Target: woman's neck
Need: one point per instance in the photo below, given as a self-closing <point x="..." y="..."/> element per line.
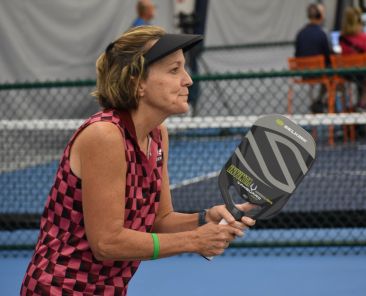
<point x="145" y="122"/>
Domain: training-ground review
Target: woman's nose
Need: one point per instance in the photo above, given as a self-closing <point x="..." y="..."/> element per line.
<point x="187" y="80"/>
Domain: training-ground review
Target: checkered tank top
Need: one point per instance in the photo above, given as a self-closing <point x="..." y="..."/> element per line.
<point x="63" y="263"/>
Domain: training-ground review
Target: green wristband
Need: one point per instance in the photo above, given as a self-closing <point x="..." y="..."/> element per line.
<point x="156" y="246"/>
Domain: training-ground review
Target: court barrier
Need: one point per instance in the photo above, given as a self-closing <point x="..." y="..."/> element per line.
<point x="327" y="212"/>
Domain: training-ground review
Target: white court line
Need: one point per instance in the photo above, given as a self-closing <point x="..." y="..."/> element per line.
<point x="195" y="180"/>
<point x="181" y="123"/>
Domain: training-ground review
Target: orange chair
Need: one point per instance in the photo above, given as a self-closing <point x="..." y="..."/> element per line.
<point x="346" y="61"/>
<point x="312" y="63"/>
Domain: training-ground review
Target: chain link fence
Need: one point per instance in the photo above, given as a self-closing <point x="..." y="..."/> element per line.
<point x="328" y="210"/>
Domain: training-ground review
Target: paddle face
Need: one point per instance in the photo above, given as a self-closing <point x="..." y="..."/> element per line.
<point x="267" y="166"/>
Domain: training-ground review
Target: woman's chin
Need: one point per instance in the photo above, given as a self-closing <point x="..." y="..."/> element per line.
<point x="181" y="109"/>
<point x="185" y="108"/>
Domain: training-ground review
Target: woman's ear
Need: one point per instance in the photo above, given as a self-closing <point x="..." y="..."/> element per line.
<point x="141" y="88"/>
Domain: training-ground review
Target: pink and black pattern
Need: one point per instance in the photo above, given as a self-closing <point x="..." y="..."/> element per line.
<point x="63" y="263"/>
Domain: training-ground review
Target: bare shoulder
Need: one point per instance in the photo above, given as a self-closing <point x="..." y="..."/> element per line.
<point x="98" y="144"/>
<point x="99" y="139"/>
<point x="102" y="134"/>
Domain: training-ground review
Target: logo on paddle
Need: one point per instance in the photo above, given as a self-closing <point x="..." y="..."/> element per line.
<point x="252" y="188"/>
<point x="280" y="122"/>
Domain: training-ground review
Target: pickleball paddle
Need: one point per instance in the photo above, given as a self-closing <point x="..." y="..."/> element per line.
<point x="266" y="167"/>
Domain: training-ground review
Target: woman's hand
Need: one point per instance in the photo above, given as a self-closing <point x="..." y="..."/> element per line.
<point x="217" y="213"/>
<point x="212" y="239"/>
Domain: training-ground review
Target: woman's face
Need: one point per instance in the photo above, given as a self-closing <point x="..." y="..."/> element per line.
<point x="166" y="86"/>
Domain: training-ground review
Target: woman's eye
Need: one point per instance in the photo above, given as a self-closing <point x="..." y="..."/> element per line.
<point x="175" y="70"/>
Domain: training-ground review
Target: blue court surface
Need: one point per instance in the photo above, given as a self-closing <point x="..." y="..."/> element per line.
<point x="231" y="275"/>
<point x="239" y="271"/>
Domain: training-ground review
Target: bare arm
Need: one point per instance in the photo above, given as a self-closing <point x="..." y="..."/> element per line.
<point x="100" y="152"/>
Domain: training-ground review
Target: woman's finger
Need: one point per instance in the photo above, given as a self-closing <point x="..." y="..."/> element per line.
<point x="248" y="221"/>
<point x="247" y="206"/>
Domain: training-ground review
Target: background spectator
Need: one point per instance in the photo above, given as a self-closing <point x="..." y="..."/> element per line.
<point x="353" y="40"/>
<point x="145" y="13"/>
<point x="311" y="40"/>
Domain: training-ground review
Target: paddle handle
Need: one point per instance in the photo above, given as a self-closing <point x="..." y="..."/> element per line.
<point x="222" y="222"/>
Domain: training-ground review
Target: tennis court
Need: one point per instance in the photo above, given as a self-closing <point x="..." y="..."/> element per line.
<point x="315" y="247"/>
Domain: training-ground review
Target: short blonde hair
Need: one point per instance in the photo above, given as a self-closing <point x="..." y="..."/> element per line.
<point x="122" y="66"/>
<point x="351" y="21"/>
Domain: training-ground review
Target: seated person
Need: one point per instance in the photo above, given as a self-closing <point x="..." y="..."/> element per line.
<point x="311" y="40"/>
<point x="353" y="40"/>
